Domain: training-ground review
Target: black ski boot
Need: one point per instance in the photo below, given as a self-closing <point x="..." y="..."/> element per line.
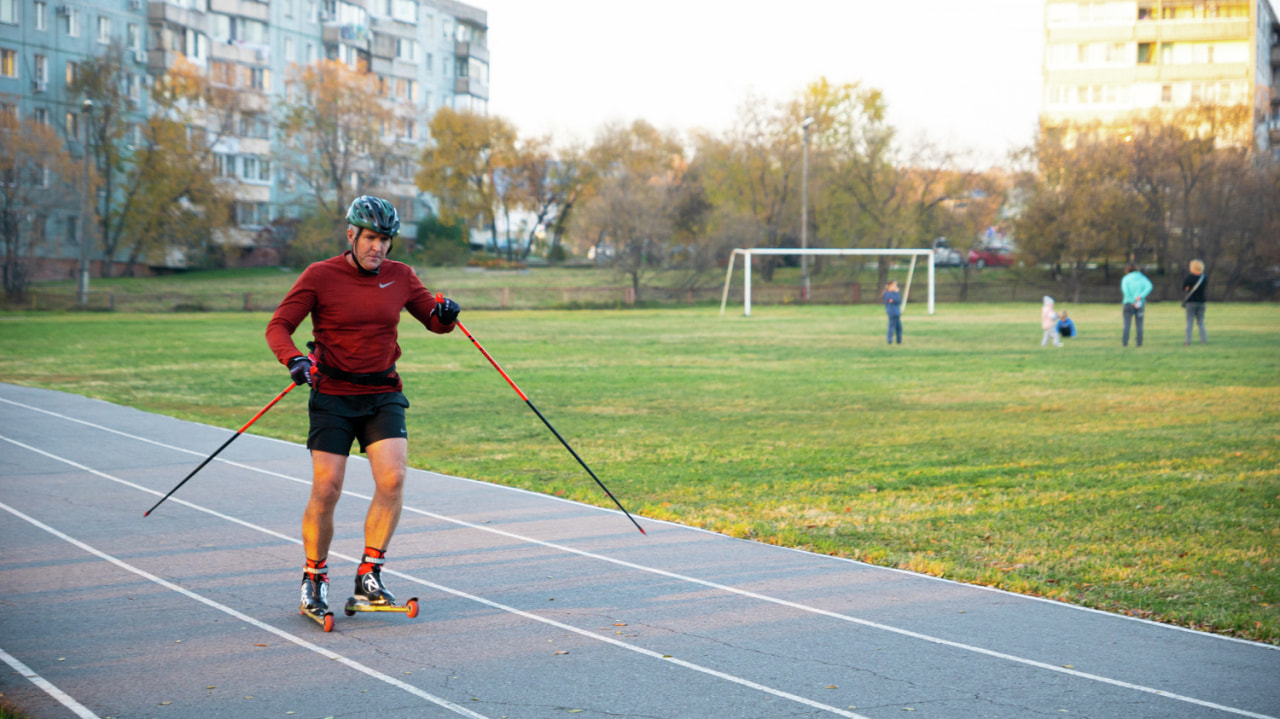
<point x="371" y="596"/>
<point x="315" y="596"/>
<point x="369" y="589"/>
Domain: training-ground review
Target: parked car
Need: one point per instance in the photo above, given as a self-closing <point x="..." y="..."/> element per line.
<point x="991" y="256"/>
<point x="944" y="255"/>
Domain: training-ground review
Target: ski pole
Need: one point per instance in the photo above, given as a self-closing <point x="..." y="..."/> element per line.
<point x="527" y="401"/>
<point x="231" y="439"/>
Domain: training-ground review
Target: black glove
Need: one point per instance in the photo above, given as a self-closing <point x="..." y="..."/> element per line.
<point x="446" y="310"/>
<point x="300" y="370"/>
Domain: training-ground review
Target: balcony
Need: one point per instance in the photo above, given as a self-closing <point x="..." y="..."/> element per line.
<point x="470" y="49"/>
<point x="185" y="17"/>
<point x="467" y="86"/>
<point x="243" y="8"/>
<point x="1225" y="29"/>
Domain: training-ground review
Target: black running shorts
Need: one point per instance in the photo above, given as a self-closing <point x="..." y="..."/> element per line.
<point x="338" y="419"/>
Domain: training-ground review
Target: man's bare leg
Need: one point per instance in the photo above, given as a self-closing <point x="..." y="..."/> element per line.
<point x="387" y="459"/>
<point x="328" y="470"/>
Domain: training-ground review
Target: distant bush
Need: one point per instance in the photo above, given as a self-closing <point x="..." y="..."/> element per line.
<point x="441" y="244"/>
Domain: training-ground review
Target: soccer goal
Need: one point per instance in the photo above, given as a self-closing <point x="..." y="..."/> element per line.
<point x="748" y="252"/>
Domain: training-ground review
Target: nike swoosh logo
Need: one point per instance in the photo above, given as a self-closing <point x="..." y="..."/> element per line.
<point x="392" y="282"/>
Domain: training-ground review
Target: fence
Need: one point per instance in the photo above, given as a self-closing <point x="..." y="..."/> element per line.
<point x="497" y="298"/>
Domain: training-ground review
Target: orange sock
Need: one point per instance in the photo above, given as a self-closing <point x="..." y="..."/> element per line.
<point x="371" y="553"/>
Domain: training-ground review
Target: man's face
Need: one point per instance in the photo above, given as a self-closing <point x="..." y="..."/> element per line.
<point x="368" y="247"/>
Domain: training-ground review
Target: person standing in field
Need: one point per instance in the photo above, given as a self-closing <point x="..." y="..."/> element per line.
<point x="354" y="301"/>
<point x="1049" y="323"/>
<point x="1193" y="299"/>
<point x="893" y="308"/>
<point x="1135" y="286"/>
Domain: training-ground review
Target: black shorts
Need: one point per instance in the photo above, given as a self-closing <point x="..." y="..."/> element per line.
<point x="338" y="419"/>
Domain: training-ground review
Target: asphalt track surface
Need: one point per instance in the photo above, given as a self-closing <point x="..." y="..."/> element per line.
<point x="531" y="606"/>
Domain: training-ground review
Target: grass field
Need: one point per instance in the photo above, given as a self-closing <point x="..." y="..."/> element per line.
<point x="1142" y="481"/>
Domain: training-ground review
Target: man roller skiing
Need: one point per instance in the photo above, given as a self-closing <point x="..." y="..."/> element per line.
<point x="354" y="300"/>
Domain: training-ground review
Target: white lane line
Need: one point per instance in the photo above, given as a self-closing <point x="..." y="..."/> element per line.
<point x="75" y="706"/>
<point x="713" y="585"/>
<point x="247" y="619"/>
<point x="438" y="587"/>
<point x="546" y="497"/>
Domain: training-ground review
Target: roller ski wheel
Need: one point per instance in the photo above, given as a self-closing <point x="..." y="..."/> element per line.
<point x="325" y="620"/>
<point x="356" y="604"/>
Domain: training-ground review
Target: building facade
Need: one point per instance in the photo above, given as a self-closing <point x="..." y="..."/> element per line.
<point x="1104" y="61"/>
<point x="428" y="54"/>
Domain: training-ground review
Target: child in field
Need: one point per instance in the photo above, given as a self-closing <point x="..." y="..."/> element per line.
<point x="1049" y="323"/>
<point x="1066" y="328"/>
<point x="893" y="308"/>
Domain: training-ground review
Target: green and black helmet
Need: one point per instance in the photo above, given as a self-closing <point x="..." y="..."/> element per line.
<point x="374" y="213"/>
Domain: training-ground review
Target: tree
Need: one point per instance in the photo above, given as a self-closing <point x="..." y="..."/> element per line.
<point x="547" y="185"/>
<point x="1081" y="206"/>
<point x="156" y="172"/>
<point x="335" y="136"/>
<point x="628" y="215"/>
<point x="103" y="80"/>
<point x="34" y="166"/>
<point x="460" y="166"/>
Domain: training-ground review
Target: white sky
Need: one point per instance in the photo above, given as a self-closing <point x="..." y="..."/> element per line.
<point x="966" y="73"/>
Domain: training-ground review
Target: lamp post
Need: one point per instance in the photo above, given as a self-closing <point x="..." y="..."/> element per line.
<point x="804" y="211"/>
<point x="86" y="208"/>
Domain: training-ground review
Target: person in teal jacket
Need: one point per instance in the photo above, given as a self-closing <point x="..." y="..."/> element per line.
<point x="1135" y="286"/>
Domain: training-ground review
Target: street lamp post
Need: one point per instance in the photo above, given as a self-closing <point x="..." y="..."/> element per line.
<point x="804" y="211"/>
<point x="86" y="208"/>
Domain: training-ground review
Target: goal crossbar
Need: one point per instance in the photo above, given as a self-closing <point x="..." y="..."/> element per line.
<point x="748" y="252"/>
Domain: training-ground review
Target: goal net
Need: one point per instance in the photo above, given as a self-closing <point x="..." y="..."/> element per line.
<point x="747" y="254"/>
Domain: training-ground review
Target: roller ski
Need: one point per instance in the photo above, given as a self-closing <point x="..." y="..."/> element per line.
<point x="315" y="597"/>
<point x="372" y="596"/>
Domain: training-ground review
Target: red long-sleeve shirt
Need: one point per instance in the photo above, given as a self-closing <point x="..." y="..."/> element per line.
<point x="354" y="318"/>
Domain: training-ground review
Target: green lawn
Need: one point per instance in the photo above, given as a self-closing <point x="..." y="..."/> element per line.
<point x="1142" y="481"/>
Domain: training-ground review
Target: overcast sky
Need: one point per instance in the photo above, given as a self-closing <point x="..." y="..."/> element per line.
<point x="964" y="72"/>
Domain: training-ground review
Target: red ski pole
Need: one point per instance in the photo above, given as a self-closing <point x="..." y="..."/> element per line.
<point x="524" y="397"/>
<point x="231" y="439"/>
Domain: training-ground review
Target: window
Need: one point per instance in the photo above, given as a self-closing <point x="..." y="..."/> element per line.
<point x="405" y="10"/>
<point x="1146" y="11"/>
<point x="8" y="109"/>
<point x="253" y="214"/>
<point x="288" y="8"/>
<point x="252" y="125"/>
<point x="428" y="62"/>
<point x="310" y="57"/>
<point x="405" y="127"/>
<point x="1197" y="92"/>
<point x="104" y="30"/>
<point x="258" y="78"/>
<point x="407" y="49"/>
<point x="73" y="71"/>
<point x="312" y="11"/>
<point x="289" y="55"/>
<point x="73" y="23"/>
<point x="73" y="126"/>
<point x="222" y="73"/>
<point x="405" y="89"/>
<point x="40" y="69"/>
<point x="220" y="27"/>
<point x="9" y="11"/>
<point x="1166" y="93"/>
<point x="9" y="63"/>
<point x="224" y="165"/>
<point x="41" y="12"/>
<point x="133" y="38"/>
<point x="1145" y="54"/>
<point x="41" y="116"/>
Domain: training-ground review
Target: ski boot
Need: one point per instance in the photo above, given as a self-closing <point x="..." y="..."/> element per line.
<point x="372" y="596"/>
<point x="315" y="597"/>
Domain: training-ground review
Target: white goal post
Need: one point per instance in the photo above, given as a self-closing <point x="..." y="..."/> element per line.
<point x="748" y="252"/>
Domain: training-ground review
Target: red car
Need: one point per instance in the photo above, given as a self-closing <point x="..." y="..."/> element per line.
<point x="991" y="256"/>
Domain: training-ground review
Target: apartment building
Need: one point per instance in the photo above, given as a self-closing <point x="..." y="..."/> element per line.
<point x="427" y="53"/>
<point x="1106" y="60"/>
